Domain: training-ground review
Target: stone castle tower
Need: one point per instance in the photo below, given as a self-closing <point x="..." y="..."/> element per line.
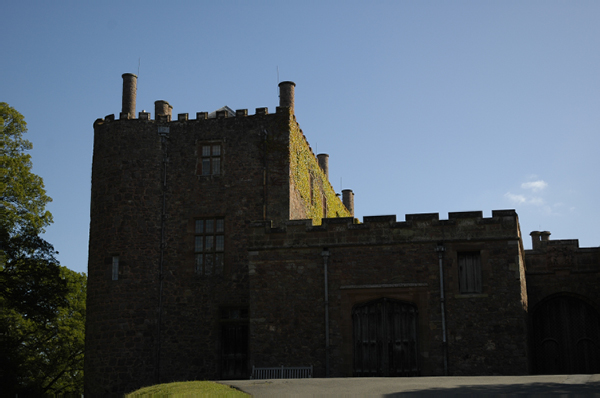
<point x="170" y="207"/>
<point x="218" y="244"/>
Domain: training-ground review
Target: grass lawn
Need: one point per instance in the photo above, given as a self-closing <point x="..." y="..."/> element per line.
<point x="188" y="389"/>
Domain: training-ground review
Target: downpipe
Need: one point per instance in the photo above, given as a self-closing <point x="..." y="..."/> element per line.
<point x="163" y="137"/>
<point x="325" y="254"/>
<point x="440" y="249"/>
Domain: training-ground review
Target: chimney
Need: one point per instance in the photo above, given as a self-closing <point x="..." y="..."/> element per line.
<point x="129" y="94"/>
<point x="286" y="95"/>
<point x="348" y="200"/>
<point x="162" y="109"/>
<point x="323" y="159"/>
<point x="545" y="236"/>
<point x="535" y="239"/>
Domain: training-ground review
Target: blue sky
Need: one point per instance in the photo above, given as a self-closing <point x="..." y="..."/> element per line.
<point x="428" y="106"/>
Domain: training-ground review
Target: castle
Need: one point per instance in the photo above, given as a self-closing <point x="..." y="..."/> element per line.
<point x="218" y="244"/>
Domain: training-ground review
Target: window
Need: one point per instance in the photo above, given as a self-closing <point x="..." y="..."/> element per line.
<point x="469" y="272"/>
<point x="209" y="245"/>
<point x="115" y="268"/>
<point x="210" y="159"/>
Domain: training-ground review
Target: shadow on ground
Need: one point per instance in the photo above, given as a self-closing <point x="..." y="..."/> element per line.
<point x="503" y="390"/>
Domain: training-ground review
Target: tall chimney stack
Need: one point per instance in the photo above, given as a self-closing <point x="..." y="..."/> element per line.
<point x="129" y="95"/>
<point x="348" y="200"/>
<point x="286" y="95"/>
<point x="323" y="159"/>
<point x="535" y="239"/>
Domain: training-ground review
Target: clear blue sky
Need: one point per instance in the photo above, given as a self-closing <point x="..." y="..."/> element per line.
<point x="423" y="106"/>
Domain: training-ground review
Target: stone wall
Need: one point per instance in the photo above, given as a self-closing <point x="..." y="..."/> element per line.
<point x="125" y="207"/>
<point x="396" y="260"/>
<point x="562" y="283"/>
<point x="160" y="320"/>
<point x="561" y="266"/>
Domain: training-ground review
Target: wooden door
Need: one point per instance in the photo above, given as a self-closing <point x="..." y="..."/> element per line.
<point x="385" y="339"/>
<point x="566" y="337"/>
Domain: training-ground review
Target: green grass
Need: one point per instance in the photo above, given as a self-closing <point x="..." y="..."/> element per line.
<point x="188" y="389"/>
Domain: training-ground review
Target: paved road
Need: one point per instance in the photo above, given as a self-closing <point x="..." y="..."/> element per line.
<point x="521" y="386"/>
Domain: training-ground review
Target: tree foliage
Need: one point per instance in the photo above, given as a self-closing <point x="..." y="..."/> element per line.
<point x="24" y="198"/>
<point x="42" y="305"/>
<point x="46" y="358"/>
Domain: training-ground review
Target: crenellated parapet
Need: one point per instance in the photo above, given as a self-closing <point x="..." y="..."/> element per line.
<point x="165" y="115"/>
<point x="560" y="267"/>
<point x="312" y="195"/>
<point x="385" y="229"/>
<point x="560" y="255"/>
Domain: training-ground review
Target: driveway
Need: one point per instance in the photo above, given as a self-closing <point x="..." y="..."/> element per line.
<point x="521" y="386"/>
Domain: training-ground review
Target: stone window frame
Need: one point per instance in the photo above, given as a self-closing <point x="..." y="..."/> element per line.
<point x="469" y="264"/>
<point x="209" y="246"/>
<point x="115" y="268"/>
<point x="210" y="163"/>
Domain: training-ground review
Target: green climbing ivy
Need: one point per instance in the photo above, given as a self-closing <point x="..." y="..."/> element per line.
<point x="310" y="181"/>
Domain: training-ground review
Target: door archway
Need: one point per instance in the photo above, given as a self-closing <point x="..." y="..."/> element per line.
<point x="566" y="336"/>
<point x="385" y="338"/>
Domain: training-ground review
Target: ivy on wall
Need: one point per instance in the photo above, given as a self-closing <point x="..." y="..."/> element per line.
<point x="310" y="180"/>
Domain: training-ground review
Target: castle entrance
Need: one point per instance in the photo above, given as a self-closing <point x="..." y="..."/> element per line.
<point x="234" y="343"/>
<point x="385" y="338"/>
<point x="566" y="337"/>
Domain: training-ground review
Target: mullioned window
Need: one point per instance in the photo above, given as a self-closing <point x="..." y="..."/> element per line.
<point x="210" y="159"/>
<point x="209" y="245"/>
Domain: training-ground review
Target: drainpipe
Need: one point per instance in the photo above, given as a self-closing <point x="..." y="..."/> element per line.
<point x="265" y="172"/>
<point x="325" y="254"/>
<point x="164" y="133"/>
<point x="440" y="249"/>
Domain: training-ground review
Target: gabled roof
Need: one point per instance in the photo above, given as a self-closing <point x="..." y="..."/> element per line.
<point x="230" y="112"/>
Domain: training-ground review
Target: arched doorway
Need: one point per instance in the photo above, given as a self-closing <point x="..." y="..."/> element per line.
<point x="566" y="337"/>
<point x="385" y="338"/>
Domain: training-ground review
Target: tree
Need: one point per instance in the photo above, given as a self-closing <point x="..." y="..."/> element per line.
<point x="64" y="363"/>
<point x="24" y="198"/>
<point x="35" y="291"/>
<point x="46" y="358"/>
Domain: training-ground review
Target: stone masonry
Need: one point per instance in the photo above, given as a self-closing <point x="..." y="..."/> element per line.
<point x="384" y="258"/>
<point x="157" y="319"/>
<point x="217" y="243"/>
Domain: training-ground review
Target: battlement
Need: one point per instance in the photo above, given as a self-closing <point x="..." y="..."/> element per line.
<point x="460" y="226"/>
<point x="540" y="240"/>
<point x="548" y="256"/>
<point x="184" y="117"/>
<point x="164" y="111"/>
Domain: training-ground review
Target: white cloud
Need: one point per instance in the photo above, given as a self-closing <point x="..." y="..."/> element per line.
<point x="524" y="200"/>
<point x="533" y="194"/>
<point x="516" y="199"/>
<point x="535" y="186"/>
<point x="535" y="201"/>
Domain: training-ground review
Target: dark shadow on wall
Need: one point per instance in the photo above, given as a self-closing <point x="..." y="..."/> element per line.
<point x="512" y="390"/>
